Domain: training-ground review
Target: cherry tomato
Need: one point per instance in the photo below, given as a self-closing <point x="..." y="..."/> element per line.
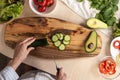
<point x="42" y="2"/>
<point x="50" y="2"/>
<point x="35" y="2"/>
<point x="41" y="9"/>
<point x="116" y="44"/>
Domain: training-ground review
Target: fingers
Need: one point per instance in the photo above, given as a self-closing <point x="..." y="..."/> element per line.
<point x="24" y="41"/>
<point x="30" y="49"/>
<point x="61" y="75"/>
<point x="28" y="41"/>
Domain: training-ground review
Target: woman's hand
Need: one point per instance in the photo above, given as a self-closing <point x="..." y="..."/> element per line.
<point x="21" y="52"/>
<point x="61" y="75"/>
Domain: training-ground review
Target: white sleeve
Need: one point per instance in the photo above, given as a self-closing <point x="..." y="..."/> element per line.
<point x="8" y="73"/>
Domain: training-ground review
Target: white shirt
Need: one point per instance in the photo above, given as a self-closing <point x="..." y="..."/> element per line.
<point x="8" y="73"/>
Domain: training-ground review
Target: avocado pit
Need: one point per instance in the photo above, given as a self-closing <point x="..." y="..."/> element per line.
<point x="91" y="45"/>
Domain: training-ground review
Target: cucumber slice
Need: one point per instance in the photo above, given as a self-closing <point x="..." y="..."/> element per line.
<point x="61" y="36"/>
<point x="57" y="43"/>
<point x="66" y="42"/>
<point x="54" y="38"/>
<point x="67" y="38"/>
<point x="58" y="35"/>
<point x="62" y="47"/>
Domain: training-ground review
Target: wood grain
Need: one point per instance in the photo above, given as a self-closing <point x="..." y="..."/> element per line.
<point x="41" y="27"/>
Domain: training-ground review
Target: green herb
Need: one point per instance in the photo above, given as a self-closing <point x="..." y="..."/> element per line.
<point x="116" y="30"/>
<point x="107" y="10"/>
<point x="79" y="0"/>
<point x="10" y="9"/>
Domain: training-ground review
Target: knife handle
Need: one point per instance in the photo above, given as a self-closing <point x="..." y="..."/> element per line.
<point x="58" y="70"/>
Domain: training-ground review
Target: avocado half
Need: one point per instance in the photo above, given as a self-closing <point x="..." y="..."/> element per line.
<point x="91" y="43"/>
<point x="96" y="23"/>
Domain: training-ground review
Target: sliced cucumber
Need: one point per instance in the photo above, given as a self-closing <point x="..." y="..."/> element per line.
<point x="61" y="40"/>
<point x="66" y="42"/>
<point x="67" y="38"/>
<point x="54" y="38"/>
<point x="58" y="35"/>
<point x="61" y="36"/>
<point x="57" y="43"/>
<point x="62" y="47"/>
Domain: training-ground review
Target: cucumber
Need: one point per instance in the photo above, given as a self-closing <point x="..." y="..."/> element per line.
<point x="67" y="38"/>
<point x="61" y="40"/>
<point x="54" y="38"/>
<point x="39" y="42"/>
<point x="61" y="36"/>
<point x="58" y="35"/>
<point x="66" y="42"/>
<point x="62" y="47"/>
<point x="57" y="43"/>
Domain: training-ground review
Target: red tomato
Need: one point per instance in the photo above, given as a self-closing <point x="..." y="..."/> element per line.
<point x="41" y="9"/>
<point x="107" y="67"/>
<point x="110" y="62"/>
<point x="102" y="68"/>
<point x="116" y="44"/>
<point x="42" y="2"/>
<point x="112" y="72"/>
<point x="35" y="2"/>
<point x="50" y="2"/>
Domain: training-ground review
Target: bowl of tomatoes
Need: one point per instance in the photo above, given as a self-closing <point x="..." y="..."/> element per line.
<point x="42" y="6"/>
<point x="107" y="68"/>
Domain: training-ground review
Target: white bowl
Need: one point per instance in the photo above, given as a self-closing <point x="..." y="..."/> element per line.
<point x="47" y="11"/>
<point x="107" y="76"/>
<point x="114" y="52"/>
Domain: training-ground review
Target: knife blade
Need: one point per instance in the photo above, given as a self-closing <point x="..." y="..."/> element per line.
<point x="57" y="68"/>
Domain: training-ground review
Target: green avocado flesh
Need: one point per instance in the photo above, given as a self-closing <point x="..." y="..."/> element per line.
<point x="91" y="43"/>
<point x="96" y="23"/>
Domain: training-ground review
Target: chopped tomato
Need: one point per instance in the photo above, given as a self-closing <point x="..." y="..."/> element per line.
<point x="107" y="67"/>
<point x="110" y="62"/>
<point x="116" y="44"/>
<point x="102" y="68"/>
<point x="112" y="72"/>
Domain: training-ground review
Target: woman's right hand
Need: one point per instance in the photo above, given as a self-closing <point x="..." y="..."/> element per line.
<point x="61" y="75"/>
<point x="21" y="52"/>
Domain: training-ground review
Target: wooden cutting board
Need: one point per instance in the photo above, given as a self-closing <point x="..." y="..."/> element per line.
<point x="41" y="27"/>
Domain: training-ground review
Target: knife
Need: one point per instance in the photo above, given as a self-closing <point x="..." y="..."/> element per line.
<point x="57" y="68"/>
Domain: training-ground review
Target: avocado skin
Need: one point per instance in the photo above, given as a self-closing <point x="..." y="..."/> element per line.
<point x="92" y="38"/>
<point x="96" y="23"/>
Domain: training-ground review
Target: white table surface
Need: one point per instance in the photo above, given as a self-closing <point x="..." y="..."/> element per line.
<point x="83" y="68"/>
